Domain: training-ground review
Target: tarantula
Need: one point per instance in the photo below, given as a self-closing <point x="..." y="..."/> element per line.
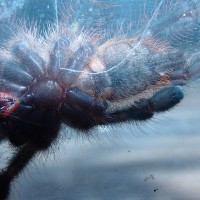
<point x="75" y="80"/>
<point x="83" y="86"/>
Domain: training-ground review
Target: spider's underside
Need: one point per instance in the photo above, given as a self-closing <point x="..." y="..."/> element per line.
<point x="72" y="80"/>
<point x="78" y="86"/>
<point x="37" y="93"/>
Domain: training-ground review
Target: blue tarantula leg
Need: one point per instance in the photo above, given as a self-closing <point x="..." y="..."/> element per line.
<point x="59" y="55"/>
<point x="18" y="162"/>
<point x="22" y="110"/>
<point x="30" y="60"/>
<point x="40" y="127"/>
<point x="13" y="72"/>
<point x="11" y="125"/>
<point x="162" y="101"/>
<point x="166" y="99"/>
<point x="86" y="102"/>
<point x="76" y="64"/>
<point x="76" y="118"/>
<point x="138" y="112"/>
<point x="13" y="88"/>
<point x="80" y="57"/>
<point x="86" y="112"/>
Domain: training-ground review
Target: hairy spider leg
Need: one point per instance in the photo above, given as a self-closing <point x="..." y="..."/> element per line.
<point x="37" y="135"/>
<point x="15" y="166"/>
<point x="79" y="109"/>
<point x="86" y="112"/>
<point x="37" y="130"/>
<point x="30" y="60"/>
<point x="59" y="55"/>
<point x="75" y="65"/>
<point x="161" y="101"/>
<point x="33" y="132"/>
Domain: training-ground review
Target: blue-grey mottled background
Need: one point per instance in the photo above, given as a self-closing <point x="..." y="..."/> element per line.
<point x="158" y="160"/>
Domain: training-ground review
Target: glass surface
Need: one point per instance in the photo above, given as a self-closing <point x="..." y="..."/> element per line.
<point x="156" y="159"/>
